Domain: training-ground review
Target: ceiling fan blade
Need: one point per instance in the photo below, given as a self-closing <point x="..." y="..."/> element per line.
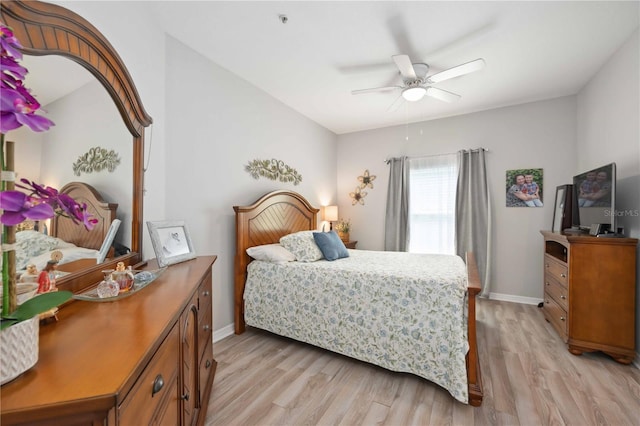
<point x="403" y="62"/>
<point x="375" y="89"/>
<point x="442" y="95"/>
<point x="457" y="71"/>
<point x="396" y="104"/>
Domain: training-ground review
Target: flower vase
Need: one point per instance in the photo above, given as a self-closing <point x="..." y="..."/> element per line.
<point x="344" y="236"/>
<point x="19" y="348"/>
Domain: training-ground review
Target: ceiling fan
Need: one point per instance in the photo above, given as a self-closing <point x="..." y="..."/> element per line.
<point x="417" y="84"/>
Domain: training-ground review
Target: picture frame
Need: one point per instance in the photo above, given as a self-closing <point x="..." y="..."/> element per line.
<point x="524" y="188"/>
<point x="171" y="242"/>
<point x="562" y="209"/>
<point x="558" y="210"/>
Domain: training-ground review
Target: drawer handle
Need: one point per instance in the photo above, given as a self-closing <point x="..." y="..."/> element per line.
<point x="548" y="283"/>
<point x="563" y="275"/>
<point x="206" y="293"/>
<point x="562" y="296"/>
<point x="185" y="396"/>
<point x="158" y="383"/>
<point x="547" y="265"/>
<point x="207" y="327"/>
<point x="562" y="318"/>
<point x="207" y="364"/>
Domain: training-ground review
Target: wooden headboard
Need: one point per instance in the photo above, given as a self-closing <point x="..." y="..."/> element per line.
<point x="274" y="215"/>
<point x="64" y="228"/>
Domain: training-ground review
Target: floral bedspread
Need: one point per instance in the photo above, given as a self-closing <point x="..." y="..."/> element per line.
<point x="404" y="312"/>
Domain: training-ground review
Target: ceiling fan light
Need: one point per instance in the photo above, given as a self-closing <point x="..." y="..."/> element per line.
<point x="413" y="94"/>
<point x="463" y="69"/>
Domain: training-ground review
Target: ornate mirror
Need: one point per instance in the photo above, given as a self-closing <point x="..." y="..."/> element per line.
<point x="47" y="29"/>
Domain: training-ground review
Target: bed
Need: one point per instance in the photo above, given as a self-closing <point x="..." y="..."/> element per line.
<point x="283" y="213"/>
<point x="74" y="241"/>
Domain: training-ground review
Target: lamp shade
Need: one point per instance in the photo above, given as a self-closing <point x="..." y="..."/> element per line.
<point x="331" y="213"/>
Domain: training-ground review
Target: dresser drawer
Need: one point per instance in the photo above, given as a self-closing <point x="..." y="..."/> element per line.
<point x="556" y="315"/>
<point x="144" y="402"/>
<point x="205" y="328"/>
<point x="206" y="369"/>
<point x="556" y="268"/>
<point x="556" y="290"/>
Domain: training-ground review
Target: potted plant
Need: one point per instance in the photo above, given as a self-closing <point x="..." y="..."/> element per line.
<point x="19" y="325"/>
<point x="342" y="228"/>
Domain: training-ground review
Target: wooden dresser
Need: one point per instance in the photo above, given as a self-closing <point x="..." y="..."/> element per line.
<point x="145" y="359"/>
<point x="590" y="292"/>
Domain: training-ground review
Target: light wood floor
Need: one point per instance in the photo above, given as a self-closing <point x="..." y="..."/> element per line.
<point x="529" y="379"/>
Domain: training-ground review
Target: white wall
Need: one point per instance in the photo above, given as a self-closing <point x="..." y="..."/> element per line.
<point x="533" y="135"/>
<point x="609" y="130"/>
<point x="217" y="123"/>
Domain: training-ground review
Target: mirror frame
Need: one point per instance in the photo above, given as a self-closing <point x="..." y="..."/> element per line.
<point x="48" y="29"/>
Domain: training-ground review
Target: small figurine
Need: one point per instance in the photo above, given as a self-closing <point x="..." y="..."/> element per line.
<point x="47" y="278"/>
<point x="30" y="275"/>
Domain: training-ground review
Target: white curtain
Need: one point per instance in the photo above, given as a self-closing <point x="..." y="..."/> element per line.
<point x="432" y="203"/>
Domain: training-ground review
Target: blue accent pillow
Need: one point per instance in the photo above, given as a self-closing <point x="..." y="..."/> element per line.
<point x="330" y="245"/>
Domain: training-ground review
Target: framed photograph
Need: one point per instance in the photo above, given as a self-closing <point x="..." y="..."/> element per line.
<point x="171" y="242"/>
<point x="524" y="188"/>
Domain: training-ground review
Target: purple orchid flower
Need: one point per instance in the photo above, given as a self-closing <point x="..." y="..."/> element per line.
<point x="18" y="207"/>
<point x="8" y="64"/>
<point x="18" y="107"/>
<point x="9" y="43"/>
<point x="42" y="202"/>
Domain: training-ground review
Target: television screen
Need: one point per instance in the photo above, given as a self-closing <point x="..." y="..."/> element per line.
<point x="594" y="193"/>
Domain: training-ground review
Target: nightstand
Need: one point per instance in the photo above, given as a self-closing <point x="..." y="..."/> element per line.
<point x="351" y="244"/>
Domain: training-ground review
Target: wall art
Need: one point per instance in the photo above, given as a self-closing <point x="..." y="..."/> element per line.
<point x="274" y="170"/>
<point x="357" y="196"/>
<point x="524" y="188"/>
<point x="96" y="160"/>
<point x="366" y="180"/>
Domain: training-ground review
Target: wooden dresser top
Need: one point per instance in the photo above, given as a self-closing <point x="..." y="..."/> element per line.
<point x="96" y="351"/>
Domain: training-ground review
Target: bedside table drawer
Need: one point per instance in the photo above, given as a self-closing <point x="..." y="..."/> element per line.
<point x="351" y="244"/>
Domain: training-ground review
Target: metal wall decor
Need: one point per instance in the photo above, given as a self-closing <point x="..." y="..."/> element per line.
<point x="96" y="160"/>
<point x="274" y="170"/>
<point x="366" y="180"/>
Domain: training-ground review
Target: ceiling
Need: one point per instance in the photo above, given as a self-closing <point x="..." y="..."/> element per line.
<point x="533" y="50"/>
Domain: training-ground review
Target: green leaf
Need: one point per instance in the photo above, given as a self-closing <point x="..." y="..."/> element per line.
<point x="35" y="306"/>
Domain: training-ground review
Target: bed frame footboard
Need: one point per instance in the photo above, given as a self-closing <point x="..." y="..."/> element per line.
<point x="474" y="376"/>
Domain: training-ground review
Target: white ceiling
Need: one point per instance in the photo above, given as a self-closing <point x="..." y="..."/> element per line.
<point x="533" y="50"/>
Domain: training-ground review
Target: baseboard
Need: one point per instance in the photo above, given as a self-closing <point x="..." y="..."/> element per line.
<point x="515" y="299"/>
<point x="223" y="332"/>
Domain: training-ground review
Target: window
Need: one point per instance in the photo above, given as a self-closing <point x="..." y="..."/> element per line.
<point x="432" y="202"/>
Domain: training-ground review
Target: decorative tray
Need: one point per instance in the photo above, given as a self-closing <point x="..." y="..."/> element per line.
<point x="141" y="279"/>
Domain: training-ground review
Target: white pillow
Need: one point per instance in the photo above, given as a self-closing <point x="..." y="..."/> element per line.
<point x="303" y="246"/>
<point x="271" y="253"/>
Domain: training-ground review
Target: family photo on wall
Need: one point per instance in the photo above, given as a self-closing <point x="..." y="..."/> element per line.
<point x="524" y="188"/>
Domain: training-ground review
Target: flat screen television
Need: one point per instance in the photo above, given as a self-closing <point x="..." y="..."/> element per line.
<point x="594" y="195"/>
